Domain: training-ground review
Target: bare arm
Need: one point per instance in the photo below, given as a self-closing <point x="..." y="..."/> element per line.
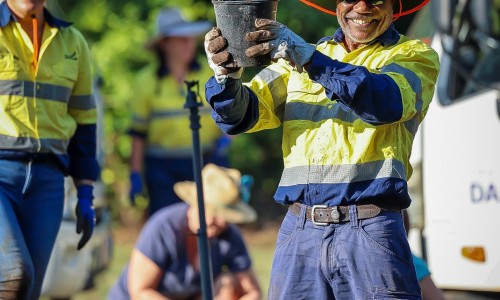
<point x="429" y="289"/>
<point x="143" y="278"/>
<point x="83" y="182"/>
<point x="249" y="285"/>
<point x="137" y="155"/>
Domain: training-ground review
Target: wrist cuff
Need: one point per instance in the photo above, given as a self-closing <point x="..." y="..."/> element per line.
<point x="85" y="192"/>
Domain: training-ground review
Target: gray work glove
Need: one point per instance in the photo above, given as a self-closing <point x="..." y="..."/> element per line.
<point x="219" y="59"/>
<point x="280" y="42"/>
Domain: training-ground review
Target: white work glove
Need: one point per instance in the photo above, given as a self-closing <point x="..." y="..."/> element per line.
<point x="280" y="42"/>
<point x="219" y="59"/>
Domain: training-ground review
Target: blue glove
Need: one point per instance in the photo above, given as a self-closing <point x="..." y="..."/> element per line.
<point x="222" y="145"/>
<point x="220" y="154"/>
<point x="135" y="186"/>
<point x="281" y="42"/>
<point x="246" y="183"/>
<point x="85" y="214"/>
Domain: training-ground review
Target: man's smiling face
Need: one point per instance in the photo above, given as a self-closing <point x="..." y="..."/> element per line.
<point x="362" y="21"/>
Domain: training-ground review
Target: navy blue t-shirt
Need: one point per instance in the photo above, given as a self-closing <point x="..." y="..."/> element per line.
<point x="163" y="240"/>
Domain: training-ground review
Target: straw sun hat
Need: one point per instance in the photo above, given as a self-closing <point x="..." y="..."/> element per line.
<point x="170" y="23"/>
<point x="221" y="192"/>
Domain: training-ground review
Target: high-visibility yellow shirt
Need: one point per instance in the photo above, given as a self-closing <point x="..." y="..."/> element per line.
<point x="46" y="102"/>
<point x="160" y="117"/>
<point x="348" y="122"/>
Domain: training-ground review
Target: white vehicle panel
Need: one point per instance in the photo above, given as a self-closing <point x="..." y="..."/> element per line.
<point x="461" y="168"/>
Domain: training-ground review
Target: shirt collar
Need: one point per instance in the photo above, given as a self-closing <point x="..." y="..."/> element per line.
<point x="388" y="38"/>
<point x="6" y="16"/>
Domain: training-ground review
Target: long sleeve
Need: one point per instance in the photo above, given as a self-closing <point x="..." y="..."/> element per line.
<point x="252" y="106"/>
<point x="83" y="144"/>
<point x="235" y="107"/>
<point x="394" y="93"/>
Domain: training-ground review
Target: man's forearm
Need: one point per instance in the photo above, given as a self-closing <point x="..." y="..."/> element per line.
<point x="251" y="295"/>
<point x="137" y="155"/>
<point x="148" y="294"/>
<point x="82" y="153"/>
<point x="375" y="98"/>
<point x="235" y="107"/>
<point x="79" y="182"/>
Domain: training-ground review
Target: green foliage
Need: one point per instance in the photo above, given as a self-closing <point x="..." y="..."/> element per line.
<point x="117" y="30"/>
<point x="306" y="21"/>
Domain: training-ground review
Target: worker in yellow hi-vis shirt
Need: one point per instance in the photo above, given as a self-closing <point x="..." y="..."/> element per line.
<point x="47" y="130"/>
<point x="350" y="106"/>
<point x="161" y="134"/>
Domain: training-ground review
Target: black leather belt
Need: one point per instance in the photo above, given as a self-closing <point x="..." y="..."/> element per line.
<point x="324" y="215"/>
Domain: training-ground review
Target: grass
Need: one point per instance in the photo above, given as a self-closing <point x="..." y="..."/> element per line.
<point x="261" y="259"/>
<point x="260" y="244"/>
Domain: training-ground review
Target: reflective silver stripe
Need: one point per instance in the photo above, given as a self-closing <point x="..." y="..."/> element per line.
<point x="137" y="119"/>
<point x="277" y="87"/>
<point x="43" y="91"/>
<point x="316" y="113"/>
<point x="18" y="143"/>
<point x="54" y="146"/>
<point x="412" y="125"/>
<point x="11" y="87"/>
<point x="169" y="113"/>
<point x="315" y="174"/>
<point x="82" y="102"/>
<point x="159" y="152"/>
<point x="30" y="144"/>
<point x="178" y="112"/>
<point x="413" y="80"/>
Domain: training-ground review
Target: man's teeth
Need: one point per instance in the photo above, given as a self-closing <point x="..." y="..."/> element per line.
<point x="361" y="22"/>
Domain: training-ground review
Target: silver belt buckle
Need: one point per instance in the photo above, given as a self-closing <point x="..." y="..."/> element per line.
<point x="313" y="215"/>
<point x="335" y="214"/>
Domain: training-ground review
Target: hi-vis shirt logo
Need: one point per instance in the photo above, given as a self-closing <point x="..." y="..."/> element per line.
<point x="71" y="56"/>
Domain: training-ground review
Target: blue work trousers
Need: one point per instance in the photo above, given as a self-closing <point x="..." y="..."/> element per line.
<point x="162" y="173"/>
<point x="31" y="206"/>
<point x="359" y="259"/>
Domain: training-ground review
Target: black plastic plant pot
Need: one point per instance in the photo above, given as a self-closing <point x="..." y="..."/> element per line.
<point x="235" y="18"/>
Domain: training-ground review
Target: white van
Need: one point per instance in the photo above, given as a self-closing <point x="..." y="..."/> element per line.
<point x="455" y="214"/>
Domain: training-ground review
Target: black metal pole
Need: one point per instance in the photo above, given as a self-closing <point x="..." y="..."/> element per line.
<point x="192" y="104"/>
